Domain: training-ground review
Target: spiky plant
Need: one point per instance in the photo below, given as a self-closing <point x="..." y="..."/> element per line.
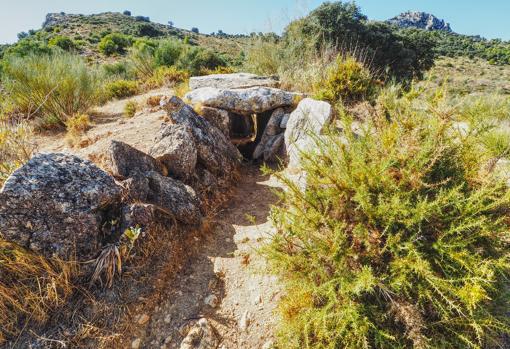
<point x="401" y="238"/>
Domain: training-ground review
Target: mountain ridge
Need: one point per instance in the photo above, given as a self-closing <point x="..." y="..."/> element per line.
<point x="420" y="20"/>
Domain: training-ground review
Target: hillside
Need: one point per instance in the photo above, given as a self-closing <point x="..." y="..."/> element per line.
<point x="86" y="31"/>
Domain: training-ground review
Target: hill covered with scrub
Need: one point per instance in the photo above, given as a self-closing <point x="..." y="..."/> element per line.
<point x="134" y="212"/>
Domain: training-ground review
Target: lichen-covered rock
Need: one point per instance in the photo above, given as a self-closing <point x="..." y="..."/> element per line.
<point x="56" y="204"/>
<point x="137" y="215"/>
<point x="237" y="80"/>
<point x="214" y="150"/>
<point x="126" y="160"/>
<point x="310" y="117"/>
<point x="174" y="198"/>
<point x="218" y="118"/>
<point x="175" y="149"/>
<point x="243" y="101"/>
<point x="272" y="129"/>
<point x="136" y="187"/>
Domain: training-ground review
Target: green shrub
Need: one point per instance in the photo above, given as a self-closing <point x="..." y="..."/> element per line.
<point x="117" y="70"/>
<point x="400" y="239"/>
<point x="65" y="43"/>
<point x="196" y="59"/>
<point x="141" y="58"/>
<point x="342" y="25"/>
<point x="346" y="81"/>
<point x="147" y="29"/>
<point x="166" y="76"/>
<point x="78" y="124"/>
<point x="121" y="89"/>
<point x="168" y="52"/>
<point x="56" y="86"/>
<point x="28" y="46"/>
<point x="130" y="109"/>
<point x="264" y="57"/>
<point x="114" y="43"/>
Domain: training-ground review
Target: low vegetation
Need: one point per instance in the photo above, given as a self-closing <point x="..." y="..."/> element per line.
<point x="130" y="109"/>
<point x="49" y="87"/>
<point x="400" y="238"/>
<point x="121" y="88"/>
<point x="16" y="146"/>
<point x="30" y="287"/>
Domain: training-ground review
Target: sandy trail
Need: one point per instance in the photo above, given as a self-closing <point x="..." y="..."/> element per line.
<point x="228" y="271"/>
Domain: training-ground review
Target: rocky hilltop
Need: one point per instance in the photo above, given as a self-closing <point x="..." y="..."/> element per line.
<point x="420" y="20"/>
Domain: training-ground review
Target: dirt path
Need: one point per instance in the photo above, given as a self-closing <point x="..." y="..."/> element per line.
<point x="227" y="283"/>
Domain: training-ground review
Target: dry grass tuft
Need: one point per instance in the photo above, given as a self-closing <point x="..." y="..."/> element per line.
<point x="108" y="263"/>
<point x="30" y="287"/>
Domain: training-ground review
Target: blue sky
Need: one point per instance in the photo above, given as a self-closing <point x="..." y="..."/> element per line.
<point x="488" y="18"/>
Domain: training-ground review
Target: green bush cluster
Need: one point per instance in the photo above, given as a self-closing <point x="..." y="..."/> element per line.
<point x="343" y="26"/>
<point x="114" y="43"/>
<point x="347" y="81"/>
<point x="400" y="239"/>
<point x="52" y="87"/>
<point x="64" y="42"/>
<point x="121" y="89"/>
<point x="146" y="56"/>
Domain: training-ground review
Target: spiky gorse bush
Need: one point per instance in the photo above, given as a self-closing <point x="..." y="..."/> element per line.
<point x="400" y="239"/>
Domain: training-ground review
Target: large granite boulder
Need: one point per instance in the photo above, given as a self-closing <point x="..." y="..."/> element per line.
<point x="126" y="160"/>
<point x="243" y="101"/>
<point x="214" y="150"/>
<point x="175" y="149"/>
<point x="310" y="118"/>
<point x="56" y="205"/>
<point x="237" y="80"/>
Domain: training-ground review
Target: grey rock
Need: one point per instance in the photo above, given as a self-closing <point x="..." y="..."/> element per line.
<point x="175" y="149"/>
<point x="272" y="129"/>
<point x="137" y="214"/>
<point x="174" y="198"/>
<point x="201" y="336"/>
<point x="285" y="120"/>
<point x="126" y="160"/>
<point x="237" y="80"/>
<point x="420" y="20"/>
<point x="214" y="150"/>
<point x="56" y="204"/>
<point x="310" y="118"/>
<point x="219" y="118"/>
<point x="136" y="187"/>
<point x="242" y="101"/>
<point x="273" y="149"/>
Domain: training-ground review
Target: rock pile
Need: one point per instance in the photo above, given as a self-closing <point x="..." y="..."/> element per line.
<point x="246" y="108"/>
<point x="60" y="205"/>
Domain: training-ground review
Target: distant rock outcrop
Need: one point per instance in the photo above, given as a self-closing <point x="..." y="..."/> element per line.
<point x="420" y="20"/>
